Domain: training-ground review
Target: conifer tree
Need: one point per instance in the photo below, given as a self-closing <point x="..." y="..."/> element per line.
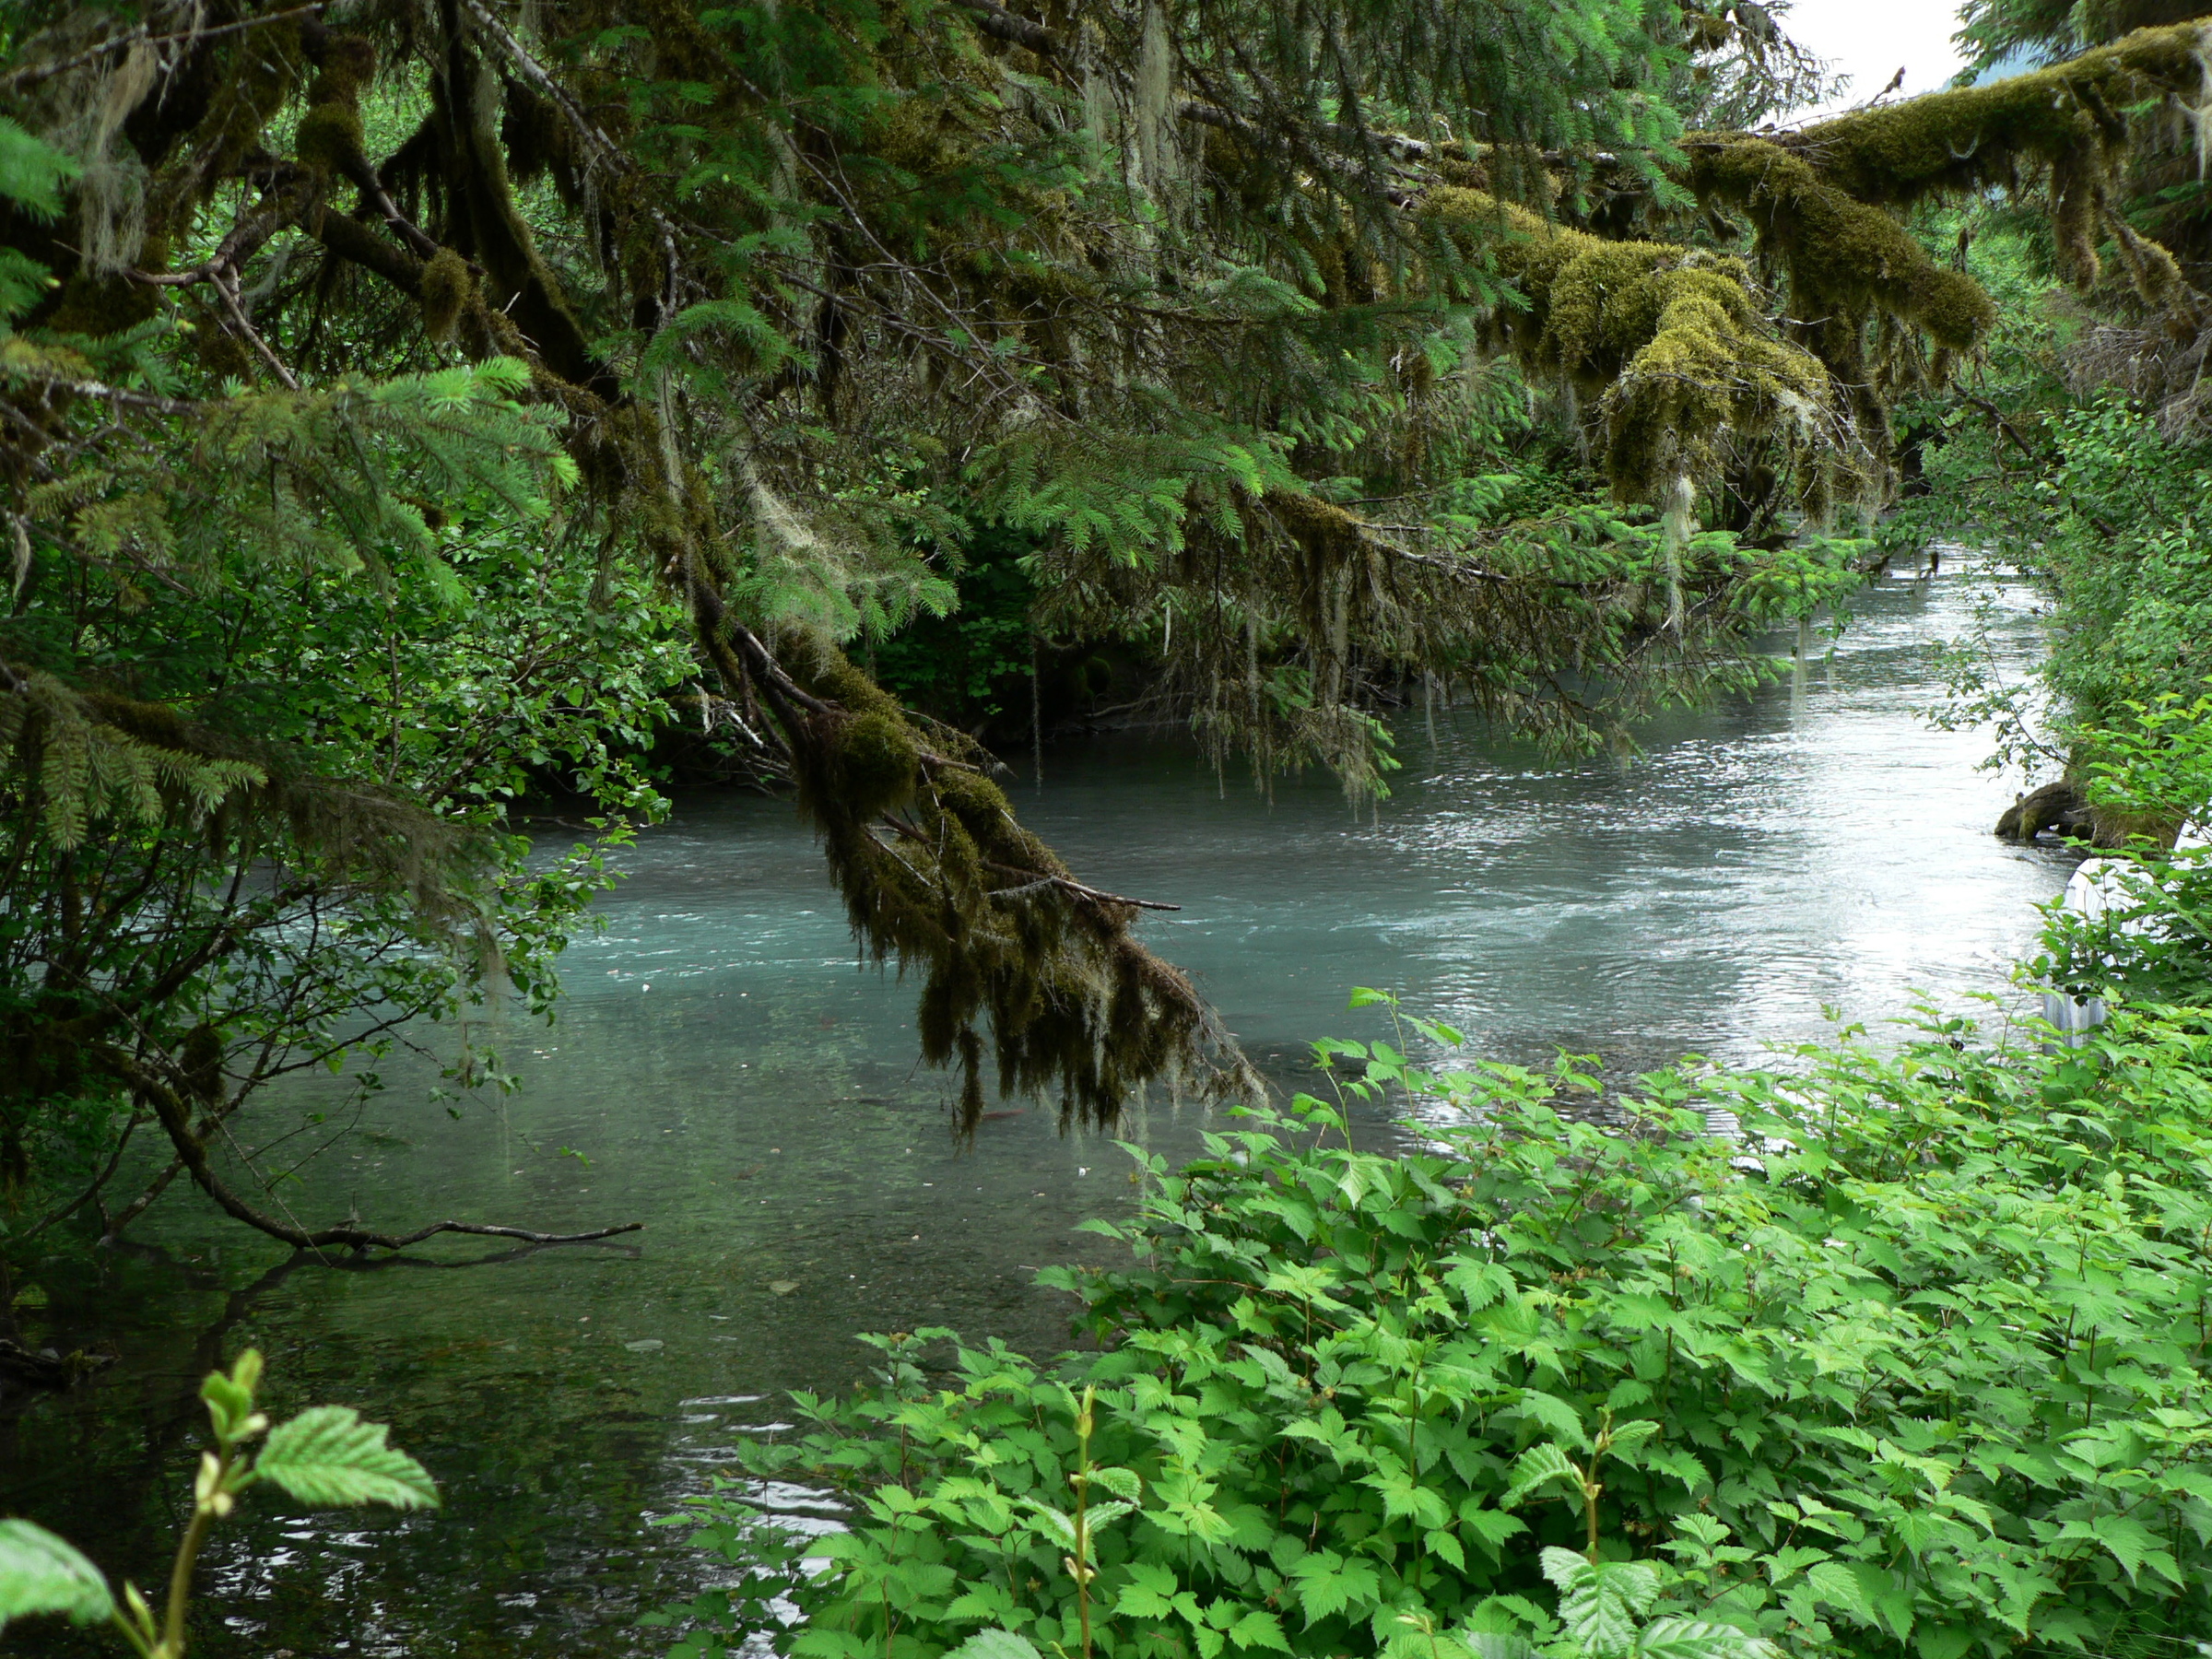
<point x="1237" y="313"/>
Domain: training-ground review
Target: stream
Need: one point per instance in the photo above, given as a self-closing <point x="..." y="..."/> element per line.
<point x="722" y="1072"/>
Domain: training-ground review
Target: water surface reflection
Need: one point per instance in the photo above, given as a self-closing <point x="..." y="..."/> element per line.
<point x="724" y="1073"/>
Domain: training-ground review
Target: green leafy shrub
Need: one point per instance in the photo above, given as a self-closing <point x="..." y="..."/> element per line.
<point x="1919" y="1368"/>
<point x="326" y="1457"/>
<point x="2152" y="942"/>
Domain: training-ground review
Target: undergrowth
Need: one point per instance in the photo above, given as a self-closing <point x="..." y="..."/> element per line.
<point x="1918" y="1367"/>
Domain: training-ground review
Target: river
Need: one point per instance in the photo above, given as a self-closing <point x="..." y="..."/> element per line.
<point x="722" y="1072"/>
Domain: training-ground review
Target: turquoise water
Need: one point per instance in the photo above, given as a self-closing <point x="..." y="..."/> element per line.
<point x="722" y="1072"/>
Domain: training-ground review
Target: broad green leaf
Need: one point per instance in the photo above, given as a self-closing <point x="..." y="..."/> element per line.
<point x="1123" y="1483"/>
<point x="41" y="1573"/>
<point x="327" y="1455"/>
<point x="995" y="1645"/>
<point x="1481" y="1283"/>
<point x="1328" y="1583"/>
<point x="1628" y="1438"/>
<point x="1698" y="1639"/>
<point x="1835" y="1583"/>
<point x="1599" y="1603"/>
<point x="1259" y="1629"/>
<point x="1150" y="1592"/>
<point x="1492" y="1527"/>
<point x="2129" y="1541"/>
<point x="1538" y="1466"/>
<point x="1105" y="1514"/>
<point x="1555" y="1415"/>
<point x="1058" y="1526"/>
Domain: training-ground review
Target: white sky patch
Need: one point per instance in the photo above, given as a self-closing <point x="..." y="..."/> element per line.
<point x="1871" y="39"/>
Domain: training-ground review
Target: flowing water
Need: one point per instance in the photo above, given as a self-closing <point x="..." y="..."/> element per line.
<point x="724" y="1073"/>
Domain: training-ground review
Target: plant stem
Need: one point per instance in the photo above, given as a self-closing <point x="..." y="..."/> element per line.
<point x="188" y="1554"/>
<point x="1082" y="1524"/>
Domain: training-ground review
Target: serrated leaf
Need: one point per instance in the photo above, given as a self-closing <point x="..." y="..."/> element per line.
<point x="1699" y="1638"/>
<point x="1598" y="1602"/>
<point x="1259" y="1629"/>
<point x="41" y="1573"/>
<point x="327" y="1455"/>
<point x="995" y="1645"/>
<point x="1123" y="1483"/>
<point x="1537" y="1466"/>
<point x="1150" y="1592"/>
<point x="1555" y="1415"/>
<point x="1835" y="1583"/>
<point x="1105" y="1514"/>
<point x="1629" y="1437"/>
<point x="1057" y="1526"/>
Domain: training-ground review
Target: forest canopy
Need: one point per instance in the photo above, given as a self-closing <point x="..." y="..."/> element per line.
<point x="410" y="406"/>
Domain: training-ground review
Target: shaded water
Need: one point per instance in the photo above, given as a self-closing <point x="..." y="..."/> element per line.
<point x="722" y="1072"/>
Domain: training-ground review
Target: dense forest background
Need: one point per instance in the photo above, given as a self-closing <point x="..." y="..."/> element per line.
<point x="411" y="410"/>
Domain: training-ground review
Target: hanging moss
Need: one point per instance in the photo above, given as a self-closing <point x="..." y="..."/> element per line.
<point x="447" y="286"/>
<point x="348" y="66"/>
<point x="1840" y="252"/>
<point x="877" y="764"/>
<point x="1816" y="198"/>
<point x="329" y="139"/>
<point x="1666" y="342"/>
<point x="1703" y="377"/>
<point x="1979" y="137"/>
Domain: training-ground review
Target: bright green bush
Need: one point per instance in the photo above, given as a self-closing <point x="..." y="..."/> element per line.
<point x="2152" y="942"/>
<point x="1918" y="1368"/>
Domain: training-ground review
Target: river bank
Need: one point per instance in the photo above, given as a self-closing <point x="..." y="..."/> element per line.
<point x="724" y="1074"/>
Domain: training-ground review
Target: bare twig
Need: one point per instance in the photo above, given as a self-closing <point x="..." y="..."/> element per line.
<point x="226" y="285"/>
<point x="169" y="1106"/>
<point x="1073" y="888"/>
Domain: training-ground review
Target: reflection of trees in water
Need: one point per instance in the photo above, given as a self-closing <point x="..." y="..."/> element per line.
<point x="109" y="1464"/>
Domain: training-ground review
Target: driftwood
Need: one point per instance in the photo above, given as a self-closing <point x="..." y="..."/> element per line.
<point x="47" y="1368"/>
<point x="2063" y="809"/>
<point x="2060" y="807"/>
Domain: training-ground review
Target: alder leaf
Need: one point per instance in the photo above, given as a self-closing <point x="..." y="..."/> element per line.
<point x="327" y="1455"/>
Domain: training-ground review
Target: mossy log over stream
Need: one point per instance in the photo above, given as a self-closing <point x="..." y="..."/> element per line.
<point x="828" y="297"/>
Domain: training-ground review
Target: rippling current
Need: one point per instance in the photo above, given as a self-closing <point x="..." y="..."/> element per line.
<point x="722" y="1072"/>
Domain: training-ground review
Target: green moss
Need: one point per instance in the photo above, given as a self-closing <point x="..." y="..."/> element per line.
<point x="836" y="679"/>
<point x="877" y="763"/>
<point x="1703" y="377"/>
<point x="976" y="801"/>
<point x="257" y="73"/>
<point x="1977" y="137"/>
<point x="1669" y="341"/>
<point x="329" y="140"/>
<point x="446" y="289"/>
<point x="98" y="306"/>
<point x="348" y="65"/>
<point x="1840" y="253"/>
